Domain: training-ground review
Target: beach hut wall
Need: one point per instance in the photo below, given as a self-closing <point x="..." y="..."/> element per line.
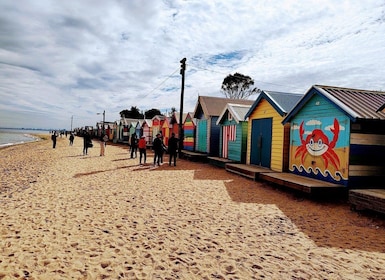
<point x="166" y="130"/>
<point x="138" y="128"/>
<point x="338" y="135"/>
<point x="147" y="130"/>
<point x="189" y="132"/>
<point x="157" y="123"/>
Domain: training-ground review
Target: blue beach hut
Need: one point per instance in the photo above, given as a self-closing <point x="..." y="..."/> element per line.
<point x="338" y="135"/>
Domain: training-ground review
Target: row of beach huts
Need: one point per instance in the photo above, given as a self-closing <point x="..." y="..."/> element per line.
<point x="329" y="134"/>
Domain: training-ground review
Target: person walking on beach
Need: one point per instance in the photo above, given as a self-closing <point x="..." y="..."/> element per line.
<point x="134" y="145"/>
<point x="86" y="142"/>
<point x="142" y="149"/>
<point x="164" y="148"/>
<point x="53" y="137"/>
<point x="172" y="148"/>
<point x="157" y="146"/>
<point x="103" y="140"/>
<point x="72" y="137"/>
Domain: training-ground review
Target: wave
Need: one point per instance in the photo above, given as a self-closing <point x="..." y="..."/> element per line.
<point x="323" y="175"/>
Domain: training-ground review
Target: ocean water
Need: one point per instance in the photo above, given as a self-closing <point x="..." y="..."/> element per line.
<point x="9" y="137"/>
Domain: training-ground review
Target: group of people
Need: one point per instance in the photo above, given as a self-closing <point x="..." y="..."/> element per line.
<point x="140" y="144"/>
<point x="54" y="136"/>
<point x="158" y="147"/>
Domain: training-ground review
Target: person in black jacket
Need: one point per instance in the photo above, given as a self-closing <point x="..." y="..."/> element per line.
<point x="53" y="137"/>
<point x="172" y="148"/>
<point x="86" y="142"/>
<point x="157" y="146"/>
<point x="134" y="145"/>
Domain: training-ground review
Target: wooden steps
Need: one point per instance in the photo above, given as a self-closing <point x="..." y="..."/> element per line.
<point x="370" y="199"/>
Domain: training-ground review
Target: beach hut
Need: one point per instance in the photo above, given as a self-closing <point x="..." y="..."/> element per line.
<point x="175" y="122"/>
<point x="338" y="135"/>
<point x="207" y="111"/>
<point x="157" y="123"/>
<point x="189" y="125"/>
<point x="166" y="129"/>
<point x="233" y="132"/>
<point x="147" y="130"/>
<point x="123" y="133"/>
<point x="138" y="128"/>
<point x="268" y="139"/>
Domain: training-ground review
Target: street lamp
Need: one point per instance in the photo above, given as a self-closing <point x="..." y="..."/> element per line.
<point x="104" y="117"/>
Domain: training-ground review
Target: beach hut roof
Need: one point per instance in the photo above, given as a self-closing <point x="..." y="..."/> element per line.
<point x="355" y="103"/>
<point x="127" y="121"/>
<point x="382" y="108"/>
<point x="159" y="117"/>
<point x="176" y="115"/>
<point x="147" y="122"/>
<point x="238" y="111"/>
<point x="213" y="106"/>
<point x="282" y="102"/>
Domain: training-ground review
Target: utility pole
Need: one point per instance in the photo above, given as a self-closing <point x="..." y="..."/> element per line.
<point x="72" y="119"/>
<point x="104" y="119"/>
<point x="181" y="133"/>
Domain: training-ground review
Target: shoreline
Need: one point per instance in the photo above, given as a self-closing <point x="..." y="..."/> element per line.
<point x="65" y="215"/>
<point x="35" y="137"/>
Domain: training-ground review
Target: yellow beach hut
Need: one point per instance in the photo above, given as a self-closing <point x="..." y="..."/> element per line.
<point x="267" y="139"/>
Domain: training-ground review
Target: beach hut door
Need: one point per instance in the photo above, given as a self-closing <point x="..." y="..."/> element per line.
<point x="261" y="133"/>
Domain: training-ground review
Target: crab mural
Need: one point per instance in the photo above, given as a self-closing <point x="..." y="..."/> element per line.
<point x="317" y="144"/>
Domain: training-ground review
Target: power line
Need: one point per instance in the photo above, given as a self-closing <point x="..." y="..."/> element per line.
<point x="165" y="80"/>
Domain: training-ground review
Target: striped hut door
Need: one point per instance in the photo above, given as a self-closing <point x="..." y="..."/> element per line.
<point x="229" y="134"/>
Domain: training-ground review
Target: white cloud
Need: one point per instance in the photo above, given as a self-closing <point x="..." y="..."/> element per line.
<point x="64" y="58"/>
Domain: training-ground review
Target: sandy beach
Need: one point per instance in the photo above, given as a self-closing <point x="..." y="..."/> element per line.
<point x="69" y="216"/>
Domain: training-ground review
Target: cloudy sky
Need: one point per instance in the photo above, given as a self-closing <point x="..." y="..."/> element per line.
<point x="63" y="60"/>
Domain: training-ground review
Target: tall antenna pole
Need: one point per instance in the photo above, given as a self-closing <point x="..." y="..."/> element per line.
<point x="181" y="133"/>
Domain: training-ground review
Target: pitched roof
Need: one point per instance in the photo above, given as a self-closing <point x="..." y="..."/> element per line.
<point x="282" y="102"/>
<point x="128" y="121"/>
<point x="355" y="103"/>
<point x="147" y="122"/>
<point x="238" y="111"/>
<point x="213" y="106"/>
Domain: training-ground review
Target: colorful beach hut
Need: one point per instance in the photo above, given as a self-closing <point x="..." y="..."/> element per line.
<point x="207" y="111"/>
<point x="166" y="129"/>
<point x="147" y="130"/>
<point x="233" y="132"/>
<point x="157" y="123"/>
<point x="268" y="140"/>
<point x="338" y="135"/>
<point x="175" y="122"/>
<point x="189" y="126"/>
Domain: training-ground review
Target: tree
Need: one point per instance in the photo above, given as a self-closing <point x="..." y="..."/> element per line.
<point x="172" y="112"/>
<point x="134" y="113"/>
<point x="238" y="86"/>
<point x="152" y="113"/>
